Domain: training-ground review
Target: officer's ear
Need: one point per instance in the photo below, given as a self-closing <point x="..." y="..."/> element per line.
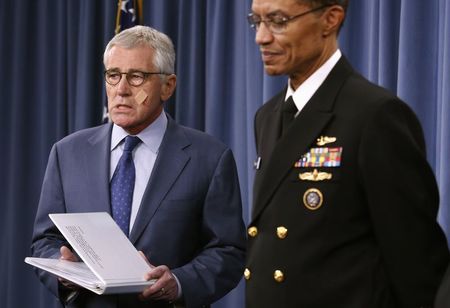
<point x="168" y="87"/>
<point x="333" y="17"/>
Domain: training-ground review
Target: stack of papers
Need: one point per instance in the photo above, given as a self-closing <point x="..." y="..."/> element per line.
<point x="111" y="264"/>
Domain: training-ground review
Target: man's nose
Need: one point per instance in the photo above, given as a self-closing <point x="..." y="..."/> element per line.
<point x="123" y="87"/>
<point x="263" y="34"/>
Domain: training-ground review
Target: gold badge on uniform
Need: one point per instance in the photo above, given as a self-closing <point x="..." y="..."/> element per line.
<point x="313" y="199"/>
<point x="315" y="176"/>
<point x="325" y="140"/>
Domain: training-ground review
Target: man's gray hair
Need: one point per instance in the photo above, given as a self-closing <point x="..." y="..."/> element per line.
<point x="164" y="59"/>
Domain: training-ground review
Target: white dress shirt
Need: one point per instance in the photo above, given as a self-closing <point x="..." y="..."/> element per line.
<point x="144" y="157"/>
<point x="306" y="90"/>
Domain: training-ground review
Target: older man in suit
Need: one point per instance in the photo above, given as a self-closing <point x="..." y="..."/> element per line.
<point x="184" y="208"/>
<point x="345" y="203"/>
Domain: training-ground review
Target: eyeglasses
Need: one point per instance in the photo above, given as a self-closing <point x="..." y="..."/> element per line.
<point x="134" y="78"/>
<point x="277" y="23"/>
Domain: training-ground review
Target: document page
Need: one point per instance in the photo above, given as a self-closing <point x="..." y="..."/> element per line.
<point x="76" y="272"/>
<point x="102" y="245"/>
<point x="111" y="264"/>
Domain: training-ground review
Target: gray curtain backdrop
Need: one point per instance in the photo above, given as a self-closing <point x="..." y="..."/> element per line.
<point x="51" y="85"/>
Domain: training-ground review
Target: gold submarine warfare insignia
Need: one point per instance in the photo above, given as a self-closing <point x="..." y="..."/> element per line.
<point x="325" y="140"/>
<point x="315" y="176"/>
<point x="313" y="199"/>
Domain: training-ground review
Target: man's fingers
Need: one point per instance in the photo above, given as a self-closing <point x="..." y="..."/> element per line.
<point x="165" y="286"/>
<point x="155" y="273"/>
<point x="67" y="254"/>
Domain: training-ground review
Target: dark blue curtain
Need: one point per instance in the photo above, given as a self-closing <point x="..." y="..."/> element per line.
<point x="51" y="85"/>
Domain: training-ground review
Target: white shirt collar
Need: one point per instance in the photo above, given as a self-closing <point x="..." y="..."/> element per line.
<point x="151" y="136"/>
<point x="307" y="89"/>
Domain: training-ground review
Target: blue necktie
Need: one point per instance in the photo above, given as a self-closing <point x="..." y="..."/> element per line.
<point x="122" y="185"/>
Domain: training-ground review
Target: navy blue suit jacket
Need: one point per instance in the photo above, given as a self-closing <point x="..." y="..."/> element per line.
<point x="190" y="218"/>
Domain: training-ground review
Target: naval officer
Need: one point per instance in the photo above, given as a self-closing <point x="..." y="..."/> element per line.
<point x="345" y="203"/>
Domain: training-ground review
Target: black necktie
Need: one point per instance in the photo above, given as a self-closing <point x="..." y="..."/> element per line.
<point x="122" y="185"/>
<point x="288" y="111"/>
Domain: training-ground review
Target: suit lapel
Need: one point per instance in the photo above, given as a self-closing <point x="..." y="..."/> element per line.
<point x="300" y="137"/>
<point x="272" y="129"/>
<point x="268" y="135"/>
<point x="169" y="164"/>
<point x="97" y="157"/>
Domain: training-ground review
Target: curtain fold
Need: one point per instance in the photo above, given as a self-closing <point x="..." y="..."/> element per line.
<point x="442" y="137"/>
<point x="52" y="85"/>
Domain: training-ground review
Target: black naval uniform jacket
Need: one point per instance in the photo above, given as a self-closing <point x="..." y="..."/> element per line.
<point x="443" y="295"/>
<point x="361" y="234"/>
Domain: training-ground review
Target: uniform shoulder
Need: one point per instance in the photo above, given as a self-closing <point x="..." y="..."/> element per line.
<point x="364" y="90"/>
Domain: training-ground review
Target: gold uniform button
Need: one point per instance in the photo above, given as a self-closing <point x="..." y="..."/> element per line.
<point x="252" y="231"/>
<point x="247" y="274"/>
<point x="282" y="232"/>
<point x="278" y="276"/>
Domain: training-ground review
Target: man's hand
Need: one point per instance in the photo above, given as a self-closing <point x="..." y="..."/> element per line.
<point x="68" y="255"/>
<point x="165" y="287"/>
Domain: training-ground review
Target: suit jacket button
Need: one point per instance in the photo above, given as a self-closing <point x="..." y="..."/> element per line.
<point x="252" y="231"/>
<point x="282" y="232"/>
<point x="278" y="276"/>
<point x="247" y="274"/>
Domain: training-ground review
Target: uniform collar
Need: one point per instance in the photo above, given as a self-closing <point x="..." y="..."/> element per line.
<point x="307" y="89"/>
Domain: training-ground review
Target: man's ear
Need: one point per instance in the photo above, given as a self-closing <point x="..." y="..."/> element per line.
<point x="333" y="19"/>
<point x="168" y="87"/>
